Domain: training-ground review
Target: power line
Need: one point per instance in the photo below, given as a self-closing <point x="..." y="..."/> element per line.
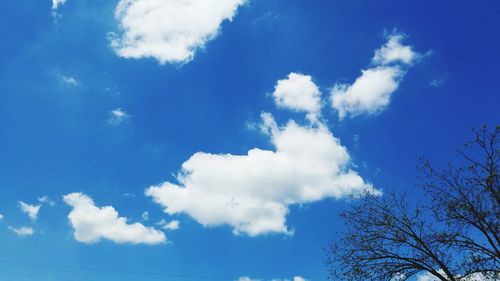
<point x="171" y="275"/>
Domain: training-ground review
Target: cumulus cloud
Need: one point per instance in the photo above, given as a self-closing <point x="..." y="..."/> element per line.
<point x="169" y="31"/>
<point x="298" y="92"/>
<point x="372" y="91"/>
<point x="30" y="210"/>
<point x="252" y="192"/>
<point x="117" y="116"/>
<point x="92" y="224"/>
<point x="393" y="51"/>
<point x="22" y="231"/>
<point x="1" y="217"/>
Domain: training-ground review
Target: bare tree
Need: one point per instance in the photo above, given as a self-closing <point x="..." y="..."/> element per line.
<point x="453" y="237"/>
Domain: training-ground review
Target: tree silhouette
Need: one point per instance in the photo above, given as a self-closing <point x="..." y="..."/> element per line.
<point x="454" y="236"/>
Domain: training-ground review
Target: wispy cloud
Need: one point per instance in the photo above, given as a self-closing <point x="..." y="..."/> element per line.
<point x="145" y="216"/>
<point x="117" y="116"/>
<point x="30" y="210"/>
<point x="22" y="231"/>
<point x="172" y="225"/>
<point x="46" y="200"/>
<point x="69" y="81"/>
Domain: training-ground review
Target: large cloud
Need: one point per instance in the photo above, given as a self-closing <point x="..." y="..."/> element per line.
<point x="372" y="91"/>
<point x="169" y="30"/>
<point x="252" y="192"/>
<point x="92" y="223"/>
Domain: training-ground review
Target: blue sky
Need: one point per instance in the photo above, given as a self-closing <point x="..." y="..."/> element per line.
<point x="103" y="102"/>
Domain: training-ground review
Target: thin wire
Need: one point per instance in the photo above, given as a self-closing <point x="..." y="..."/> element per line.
<point x="181" y="276"/>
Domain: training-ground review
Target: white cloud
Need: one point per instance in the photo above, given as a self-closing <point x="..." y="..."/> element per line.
<point x="1" y="217"/>
<point x="426" y="277"/>
<point x="473" y="277"/>
<point x="172" y="225"/>
<point x="298" y="278"/>
<point x="298" y="92"/>
<point x="22" y="231"/>
<point x="252" y="192"/>
<point x="117" y="116"/>
<point x="393" y="51"/>
<point x="169" y="31"/>
<point x="437" y="82"/>
<point x="246" y="278"/>
<point x="46" y="200"/>
<point x="372" y="91"/>
<point x="92" y="224"/>
<point x="57" y="3"/>
<point x="69" y="81"/>
<point x="30" y="210"/>
<point x="145" y="216"/>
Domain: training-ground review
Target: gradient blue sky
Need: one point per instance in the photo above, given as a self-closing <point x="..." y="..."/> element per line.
<point x="56" y="135"/>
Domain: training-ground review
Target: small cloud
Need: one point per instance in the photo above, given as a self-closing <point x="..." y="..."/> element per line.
<point x="265" y="17"/>
<point x="57" y="3"/>
<point x="46" y="200"/>
<point x="117" y="116"/>
<point x="145" y="216"/>
<point x="69" y="81"/>
<point x="172" y="225"/>
<point x="1" y="217"/>
<point x="393" y="51"/>
<point x="299" y="93"/>
<point x="246" y="278"/>
<point x="92" y="224"/>
<point x="372" y="91"/>
<point x="30" y="210"/>
<point x="355" y="140"/>
<point x="22" y="231"/>
<point x="436" y="82"/>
